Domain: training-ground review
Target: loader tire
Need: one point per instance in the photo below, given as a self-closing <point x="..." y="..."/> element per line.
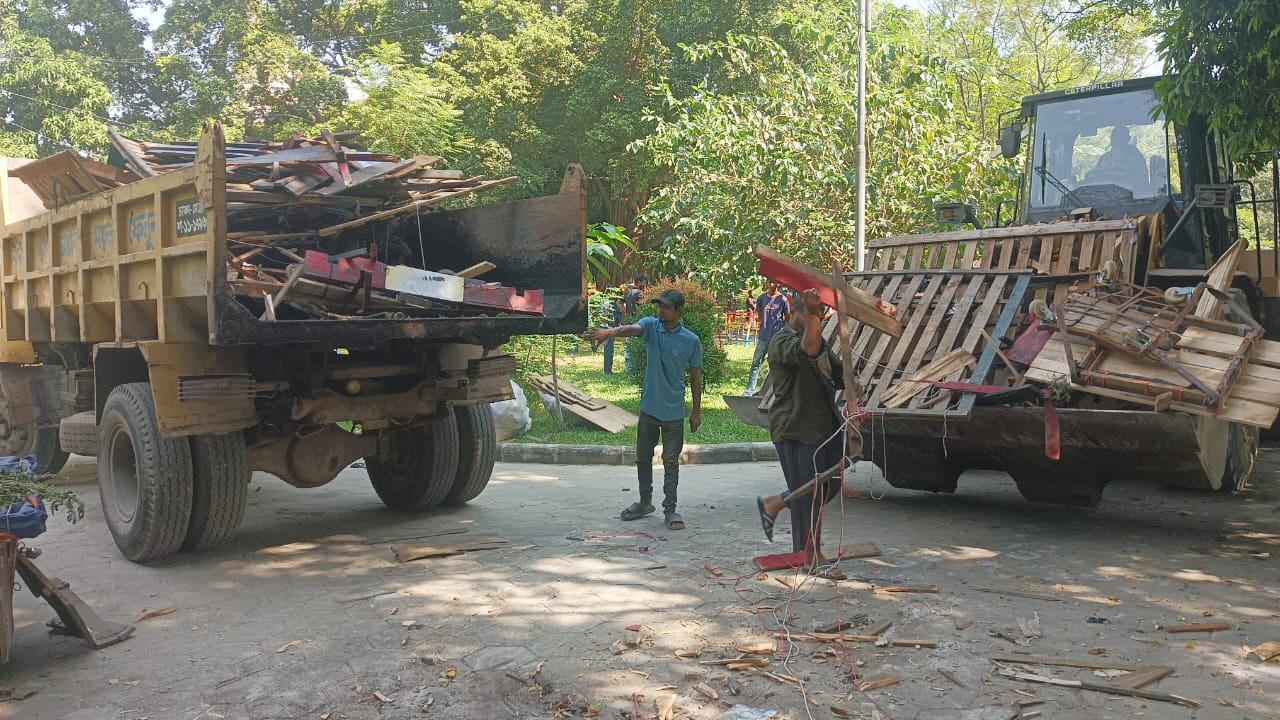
<point x="79" y="434"/>
<point x="220" y="489"/>
<point x="477" y="451"/>
<point x="144" y="478"/>
<point x="415" y="468"/>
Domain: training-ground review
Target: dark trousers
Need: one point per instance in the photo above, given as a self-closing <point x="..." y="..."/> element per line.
<point x="672" y="432"/>
<point x="798" y="460"/>
<point x="762" y="351"/>
<point x="608" y="356"/>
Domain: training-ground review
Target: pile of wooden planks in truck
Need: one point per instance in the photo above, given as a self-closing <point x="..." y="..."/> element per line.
<point x="317" y="227"/>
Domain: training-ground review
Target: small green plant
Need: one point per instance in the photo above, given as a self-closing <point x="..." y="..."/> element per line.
<point x="17" y="486"/>
<point x="702" y="315"/>
<point x="603" y="242"/>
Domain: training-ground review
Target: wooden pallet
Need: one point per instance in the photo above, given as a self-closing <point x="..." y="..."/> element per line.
<point x="1065" y="251"/>
<point x="940" y="312"/>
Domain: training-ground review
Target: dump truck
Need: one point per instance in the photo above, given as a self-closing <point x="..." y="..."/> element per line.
<point x="1109" y="192"/>
<point x="124" y="339"/>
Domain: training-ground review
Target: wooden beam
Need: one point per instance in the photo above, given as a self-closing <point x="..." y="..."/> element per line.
<point x="859" y="304"/>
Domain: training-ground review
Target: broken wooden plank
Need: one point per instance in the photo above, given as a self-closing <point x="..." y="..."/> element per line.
<point x="1063" y="662"/>
<point x="861" y="305"/>
<point x="476" y="270"/>
<point x="424" y="283"/>
<point x="447" y="548"/>
<point x="878" y="680"/>
<point x="422" y="204"/>
<point x="312" y="154"/>
<point x="1142" y="677"/>
<point x="1101" y="687"/>
<point x="907" y="589"/>
<point x="1214" y="626"/>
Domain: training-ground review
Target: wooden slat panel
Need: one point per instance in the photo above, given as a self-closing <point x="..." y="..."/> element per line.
<point x="906" y="343"/>
<point x="930" y="332"/>
<point x="1063" y="266"/>
<point x="946" y="343"/>
<point x="886" y="342"/>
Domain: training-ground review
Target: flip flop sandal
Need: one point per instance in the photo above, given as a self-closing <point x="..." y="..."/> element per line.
<point x="673" y="521"/>
<point x="637" y="510"/>
<point x="766" y="520"/>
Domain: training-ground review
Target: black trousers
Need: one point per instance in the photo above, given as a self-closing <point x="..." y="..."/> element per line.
<point x="798" y="461"/>
<point x="647" y="432"/>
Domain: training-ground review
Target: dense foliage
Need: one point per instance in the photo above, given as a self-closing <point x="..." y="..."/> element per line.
<point x="702" y="315"/>
<point x="719" y="123"/>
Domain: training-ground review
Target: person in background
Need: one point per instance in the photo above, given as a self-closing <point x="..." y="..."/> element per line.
<point x="630" y="301"/>
<point x="608" y="344"/>
<point x="772" y="309"/>
<point x="804" y="426"/>
<point x="671" y="349"/>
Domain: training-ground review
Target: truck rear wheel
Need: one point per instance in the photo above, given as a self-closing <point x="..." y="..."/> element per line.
<point x="220" y="488"/>
<point x="415" y="469"/>
<point x="477" y="451"/>
<point x="144" y="478"/>
<point x="30" y="439"/>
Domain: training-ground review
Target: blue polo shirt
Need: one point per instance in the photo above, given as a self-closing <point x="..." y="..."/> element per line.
<point x="668" y="353"/>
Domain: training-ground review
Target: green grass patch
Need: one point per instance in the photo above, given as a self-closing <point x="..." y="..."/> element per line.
<point x="579" y="365"/>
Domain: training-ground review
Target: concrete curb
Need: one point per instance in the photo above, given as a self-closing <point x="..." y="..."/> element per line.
<point x="626" y="455"/>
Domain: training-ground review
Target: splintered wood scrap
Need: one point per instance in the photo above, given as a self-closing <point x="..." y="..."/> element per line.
<point x="907" y="589"/>
<point x="476" y="270"/>
<point x="951" y="676"/>
<point x="742" y="660"/>
<point x="1019" y="593"/>
<point x="760" y="648"/>
<point x="1100" y="687"/>
<point x="407" y="553"/>
<point x="1214" y="626"/>
<point x="882" y="679"/>
<point x="903" y="391"/>
<point x="1062" y="662"/>
<point x="1143" y="677"/>
<point x="706" y="691"/>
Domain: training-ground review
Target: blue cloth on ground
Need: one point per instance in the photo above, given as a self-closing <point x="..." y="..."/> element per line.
<point x="23" y="518"/>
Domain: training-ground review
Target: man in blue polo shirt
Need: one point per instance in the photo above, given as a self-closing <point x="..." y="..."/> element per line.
<point x="670" y="350"/>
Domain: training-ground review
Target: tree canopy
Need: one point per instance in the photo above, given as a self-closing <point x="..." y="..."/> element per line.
<point x="704" y="125"/>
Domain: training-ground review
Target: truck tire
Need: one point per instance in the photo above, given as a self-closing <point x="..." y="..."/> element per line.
<point x="415" y="469"/>
<point x="477" y="451"/>
<point x="31" y="439"/>
<point x="219" y="490"/>
<point x="144" y="478"/>
<point x="79" y="434"/>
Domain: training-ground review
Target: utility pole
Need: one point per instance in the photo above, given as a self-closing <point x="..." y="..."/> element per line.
<point x="864" y="8"/>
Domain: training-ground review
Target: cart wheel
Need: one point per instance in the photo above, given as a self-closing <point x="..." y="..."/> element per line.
<point x="414" y="469"/>
<point x="144" y="478"/>
<point x="477" y="451"/>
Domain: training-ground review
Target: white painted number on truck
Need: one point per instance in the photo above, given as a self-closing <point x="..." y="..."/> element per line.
<point x="192" y="219"/>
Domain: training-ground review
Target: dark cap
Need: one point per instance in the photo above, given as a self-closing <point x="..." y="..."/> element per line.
<point x="670" y="298"/>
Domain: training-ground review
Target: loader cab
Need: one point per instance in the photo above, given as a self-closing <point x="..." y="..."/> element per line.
<point x="1107" y="148"/>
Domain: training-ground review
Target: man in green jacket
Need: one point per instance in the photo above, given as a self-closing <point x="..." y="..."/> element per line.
<point x="804" y="427"/>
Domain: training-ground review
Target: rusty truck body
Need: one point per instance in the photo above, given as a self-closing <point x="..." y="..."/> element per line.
<point x="120" y="338"/>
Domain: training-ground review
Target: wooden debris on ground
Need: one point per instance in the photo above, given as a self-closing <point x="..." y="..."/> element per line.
<point x="882" y="679"/>
<point x="602" y="414"/>
<point x="1213" y="626"/>
<point x="447" y="547"/>
<point x="1099" y="687"/>
<point x="1266" y="652"/>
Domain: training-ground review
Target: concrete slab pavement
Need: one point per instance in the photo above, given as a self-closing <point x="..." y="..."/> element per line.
<point x="307" y="613"/>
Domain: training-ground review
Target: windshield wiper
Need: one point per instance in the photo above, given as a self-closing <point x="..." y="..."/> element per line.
<point x="1057" y="185"/>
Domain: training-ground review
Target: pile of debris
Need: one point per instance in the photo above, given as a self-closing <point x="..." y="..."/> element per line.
<point x="317" y="228"/>
<point x="1160" y="351"/>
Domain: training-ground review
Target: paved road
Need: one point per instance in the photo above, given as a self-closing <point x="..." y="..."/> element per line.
<point x="308" y="615"/>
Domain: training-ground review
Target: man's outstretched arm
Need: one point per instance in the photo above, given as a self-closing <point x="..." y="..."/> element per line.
<point x="599" y="334"/>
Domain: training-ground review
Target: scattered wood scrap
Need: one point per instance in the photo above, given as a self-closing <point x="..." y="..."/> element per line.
<point x="1214" y="626"/>
<point x="878" y="680"/>
<point x="1062" y="662"/>
<point x="793" y="560"/>
<point x="447" y="547"/>
<point x="902" y="393"/>
<point x="1019" y="593"/>
<point x="1100" y="687"/>
<point x="602" y="414"/>
<point x="907" y="589"/>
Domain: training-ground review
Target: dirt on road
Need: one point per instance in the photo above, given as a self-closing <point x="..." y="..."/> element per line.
<point x="308" y="613"/>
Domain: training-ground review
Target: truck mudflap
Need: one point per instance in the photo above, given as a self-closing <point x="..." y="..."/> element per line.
<point x="929" y="451"/>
